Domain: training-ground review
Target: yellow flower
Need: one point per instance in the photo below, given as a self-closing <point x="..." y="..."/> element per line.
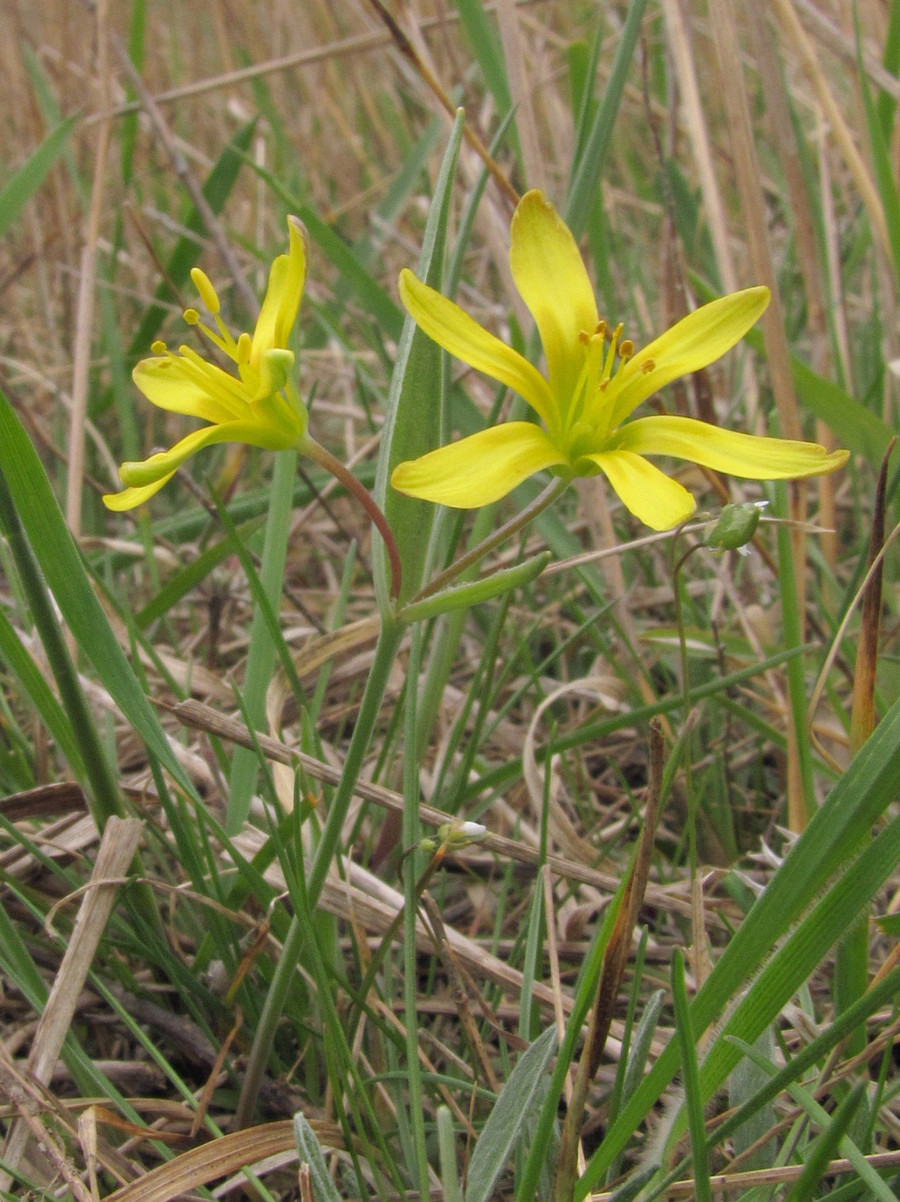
<point x="259" y="405"/>
<point x="594" y="381"/>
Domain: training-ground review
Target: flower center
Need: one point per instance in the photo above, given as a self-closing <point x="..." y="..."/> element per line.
<point x="587" y="418"/>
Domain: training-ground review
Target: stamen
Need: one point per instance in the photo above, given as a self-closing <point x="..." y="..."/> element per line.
<point x="208" y="294"/>
<point x="243" y="349"/>
<point x="626" y="350"/>
<point x="611" y="355"/>
<point x="227" y="338"/>
<point x="648" y="365"/>
<point x="223" y="340"/>
<point x="586" y="385"/>
<point x="159" y="347"/>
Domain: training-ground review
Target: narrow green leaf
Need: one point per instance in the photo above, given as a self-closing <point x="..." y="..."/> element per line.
<point x="592" y="732"/>
<point x="447" y="1153"/>
<point x="588" y="167"/>
<point x="808" y="1058"/>
<point x="216" y="190"/>
<point x="413" y="423"/>
<point x="476" y="591"/>
<point x="60" y="562"/>
<point x="263" y="639"/>
<point x="17" y="658"/>
<point x="514" y="1111"/>
<point x="887" y="104"/>
<point x="22" y="184"/>
<point x="819" y="1115"/>
<point x="384" y="311"/>
<point x="690" y="1079"/>
<point x="854" y="426"/>
<point x="488" y="50"/>
<point x="192" y="574"/>
<point x="309" y="1152"/>
<point x="831" y="840"/>
<point x="806" y="1187"/>
<point x="885" y="171"/>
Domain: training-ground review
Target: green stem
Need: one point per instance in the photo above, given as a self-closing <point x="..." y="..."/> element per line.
<point x="340" y="471"/>
<point x="283" y="977"/>
<point x="500" y="535"/>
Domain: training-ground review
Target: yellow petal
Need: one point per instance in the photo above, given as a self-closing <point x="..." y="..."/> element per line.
<point x="658" y="501"/>
<point x="130" y="498"/>
<point x="745" y="455"/>
<point x="283" y="295"/>
<point x="168" y="383"/>
<point x="550" y="275"/>
<point x="692" y="343"/>
<point x="480" y="469"/>
<point x="462" y="336"/>
<point x="254" y="434"/>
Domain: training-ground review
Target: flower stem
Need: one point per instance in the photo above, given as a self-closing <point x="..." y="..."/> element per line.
<point x="332" y="464"/>
<point x="500" y="535"/>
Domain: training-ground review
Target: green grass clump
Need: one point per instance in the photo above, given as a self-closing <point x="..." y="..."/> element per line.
<point x="666" y="967"/>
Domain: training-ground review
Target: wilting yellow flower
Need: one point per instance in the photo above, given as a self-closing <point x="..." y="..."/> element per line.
<point x="594" y="381"/>
<point x="259" y="406"/>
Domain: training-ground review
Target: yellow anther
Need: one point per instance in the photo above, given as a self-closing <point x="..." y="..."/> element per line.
<point x="192" y="317"/>
<point x="600" y="328"/>
<point x="208" y="294"/>
<point x="648" y="365"/>
<point x="584" y="337"/>
<point x="617" y="334"/>
<point x="626" y="349"/>
<point x="244" y="347"/>
<point x="159" y="347"/>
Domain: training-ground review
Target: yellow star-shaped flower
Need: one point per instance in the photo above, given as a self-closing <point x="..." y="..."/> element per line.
<point x="594" y="382"/>
<point x="259" y="405"/>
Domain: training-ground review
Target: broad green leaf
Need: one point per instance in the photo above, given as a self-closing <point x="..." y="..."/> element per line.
<point x="514" y="1111"/>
